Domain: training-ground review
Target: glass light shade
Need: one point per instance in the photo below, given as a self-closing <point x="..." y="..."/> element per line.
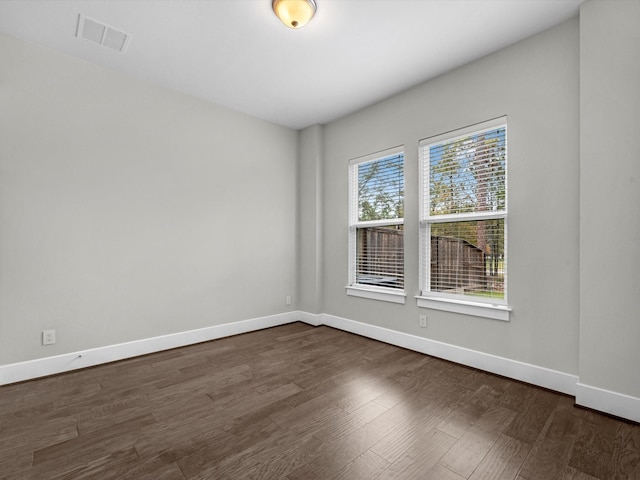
<point x="294" y="13"/>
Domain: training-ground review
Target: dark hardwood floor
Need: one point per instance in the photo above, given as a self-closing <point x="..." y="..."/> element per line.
<point x="302" y="402"/>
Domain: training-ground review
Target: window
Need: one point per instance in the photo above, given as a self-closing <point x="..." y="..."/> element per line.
<point x="376" y="226"/>
<point x="463" y="214"/>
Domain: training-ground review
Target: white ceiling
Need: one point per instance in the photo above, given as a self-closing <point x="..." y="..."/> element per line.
<point x="237" y="53"/>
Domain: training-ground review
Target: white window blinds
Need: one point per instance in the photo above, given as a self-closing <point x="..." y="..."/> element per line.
<point x="467" y="174"/>
<point x="380" y="193"/>
<point x="463" y="213"/>
<point x="376" y="220"/>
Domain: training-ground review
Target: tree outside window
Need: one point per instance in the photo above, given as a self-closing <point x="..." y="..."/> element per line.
<point x="463" y="214"/>
<point x="377" y="220"/>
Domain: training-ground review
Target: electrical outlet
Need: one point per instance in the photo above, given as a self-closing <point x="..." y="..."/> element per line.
<point x="287" y="300"/>
<point x="423" y="321"/>
<point x="48" y="337"/>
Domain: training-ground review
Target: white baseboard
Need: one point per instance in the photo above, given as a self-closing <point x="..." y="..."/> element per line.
<point x="540" y="376"/>
<point x="18" y="372"/>
<point x="614" y="403"/>
<point x="314" y="319"/>
<point x="607" y="401"/>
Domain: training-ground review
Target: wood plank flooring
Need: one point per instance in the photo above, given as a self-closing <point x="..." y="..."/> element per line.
<point x="301" y="402"/>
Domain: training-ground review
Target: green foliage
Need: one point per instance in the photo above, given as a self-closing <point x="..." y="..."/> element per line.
<point x="468" y="175"/>
<point x="381" y="189"/>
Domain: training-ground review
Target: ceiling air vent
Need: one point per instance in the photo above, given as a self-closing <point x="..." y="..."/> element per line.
<point x="102" y="34"/>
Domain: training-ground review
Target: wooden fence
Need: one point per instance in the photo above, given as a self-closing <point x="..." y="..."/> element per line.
<point x="456" y="265"/>
<point x="380" y="256"/>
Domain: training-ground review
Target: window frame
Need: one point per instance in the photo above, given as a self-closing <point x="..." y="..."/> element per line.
<point x="493" y="308"/>
<point x="387" y="294"/>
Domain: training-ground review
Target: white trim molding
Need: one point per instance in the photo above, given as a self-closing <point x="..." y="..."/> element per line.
<point x="477" y="309"/>
<point x="614" y="403"/>
<point x="377" y="293"/>
<point x="40" y="367"/>
<point x="313" y="319"/>
<point x="540" y="376"/>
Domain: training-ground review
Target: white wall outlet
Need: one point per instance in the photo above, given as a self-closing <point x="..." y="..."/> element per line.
<point x="48" y="337"/>
<point x="287" y="300"/>
<point x="423" y="321"/>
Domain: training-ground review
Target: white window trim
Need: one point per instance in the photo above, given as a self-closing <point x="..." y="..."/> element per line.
<point x="477" y="309"/>
<point x="393" y="295"/>
<point x="495" y="309"/>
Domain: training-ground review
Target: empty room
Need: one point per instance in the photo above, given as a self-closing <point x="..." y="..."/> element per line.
<point x="319" y="239"/>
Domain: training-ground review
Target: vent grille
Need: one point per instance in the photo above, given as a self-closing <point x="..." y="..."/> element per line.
<point x="97" y="32"/>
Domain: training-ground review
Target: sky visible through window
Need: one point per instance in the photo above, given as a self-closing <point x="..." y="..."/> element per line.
<point x="381" y="189"/>
<point x="468" y="174"/>
<point x="467" y="178"/>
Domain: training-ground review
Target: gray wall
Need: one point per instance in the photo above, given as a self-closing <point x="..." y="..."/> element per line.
<point x="536" y="84"/>
<point x="610" y="196"/>
<point x="310" y="219"/>
<point x="128" y="211"/>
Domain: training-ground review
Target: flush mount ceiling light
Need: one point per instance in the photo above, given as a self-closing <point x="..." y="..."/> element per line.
<point x="294" y="13"/>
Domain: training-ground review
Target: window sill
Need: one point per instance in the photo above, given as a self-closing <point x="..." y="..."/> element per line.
<point x="377" y="293"/>
<point x="477" y="309"/>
